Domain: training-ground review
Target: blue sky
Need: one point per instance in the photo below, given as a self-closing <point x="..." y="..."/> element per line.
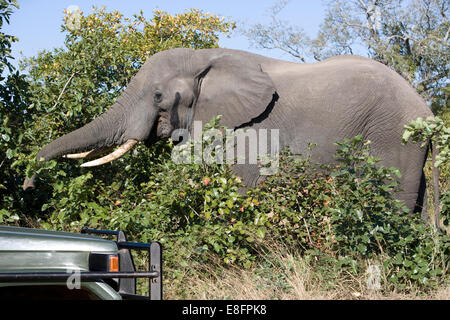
<point x="37" y="23"/>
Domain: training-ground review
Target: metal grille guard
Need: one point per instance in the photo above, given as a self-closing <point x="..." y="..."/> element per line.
<point x="126" y="277"/>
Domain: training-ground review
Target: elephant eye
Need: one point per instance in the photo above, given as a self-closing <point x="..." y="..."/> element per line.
<point x="157" y="97"/>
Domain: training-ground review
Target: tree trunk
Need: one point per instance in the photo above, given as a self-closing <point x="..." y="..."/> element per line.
<point x="435" y="152"/>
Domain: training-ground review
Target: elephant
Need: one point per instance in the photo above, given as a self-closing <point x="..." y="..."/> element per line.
<point x="321" y="102"/>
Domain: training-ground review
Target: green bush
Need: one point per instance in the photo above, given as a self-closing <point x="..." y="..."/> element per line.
<point x="346" y="217"/>
<point x="437" y="131"/>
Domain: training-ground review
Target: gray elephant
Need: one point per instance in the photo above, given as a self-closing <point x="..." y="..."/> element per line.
<point x="321" y="102"/>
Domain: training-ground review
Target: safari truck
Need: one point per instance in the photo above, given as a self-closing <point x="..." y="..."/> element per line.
<point x="51" y="265"/>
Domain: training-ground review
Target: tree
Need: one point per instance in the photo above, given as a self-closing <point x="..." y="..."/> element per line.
<point x="6" y="8"/>
<point x="67" y="87"/>
<point x="13" y="115"/>
<point x="412" y="37"/>
<point x="279" y="34"/>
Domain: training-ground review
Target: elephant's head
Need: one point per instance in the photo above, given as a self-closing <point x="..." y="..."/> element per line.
<point x="171" y="89"/>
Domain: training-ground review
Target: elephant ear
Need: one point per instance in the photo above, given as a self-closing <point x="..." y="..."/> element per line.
<point x="233" y="86"/>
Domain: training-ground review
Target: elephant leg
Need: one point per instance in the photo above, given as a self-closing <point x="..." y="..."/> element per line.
<point x="413" y="192"/>
<point x="412" y="180"/>
<point x="424" y="213"/>
<point x="422" y="200"/>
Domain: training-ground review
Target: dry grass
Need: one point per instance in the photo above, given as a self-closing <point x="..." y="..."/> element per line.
<point x="284" y="276"/>
<point x="210" y="282"/>
<point x="239" y="284"/>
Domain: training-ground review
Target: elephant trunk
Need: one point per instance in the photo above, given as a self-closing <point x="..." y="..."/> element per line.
<point x="103" y="132"/>
<point x="100" y="134"/>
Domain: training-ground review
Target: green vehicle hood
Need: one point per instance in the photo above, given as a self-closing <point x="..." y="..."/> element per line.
<point x="33" y="249"/>
<point x="25" y="239"/>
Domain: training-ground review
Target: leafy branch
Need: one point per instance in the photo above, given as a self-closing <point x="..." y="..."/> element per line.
<point x="434" y="130"/>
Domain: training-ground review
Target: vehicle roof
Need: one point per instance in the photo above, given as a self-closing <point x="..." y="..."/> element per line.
<point x="28" y="239"/>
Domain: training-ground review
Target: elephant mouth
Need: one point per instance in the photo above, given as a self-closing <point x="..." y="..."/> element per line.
<point x="164" y="126"/>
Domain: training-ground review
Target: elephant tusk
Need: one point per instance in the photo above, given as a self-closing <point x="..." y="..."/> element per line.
<point x="87" y="154"/>
<point x="77" y="155"/>
<point x="119" y="152"/>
